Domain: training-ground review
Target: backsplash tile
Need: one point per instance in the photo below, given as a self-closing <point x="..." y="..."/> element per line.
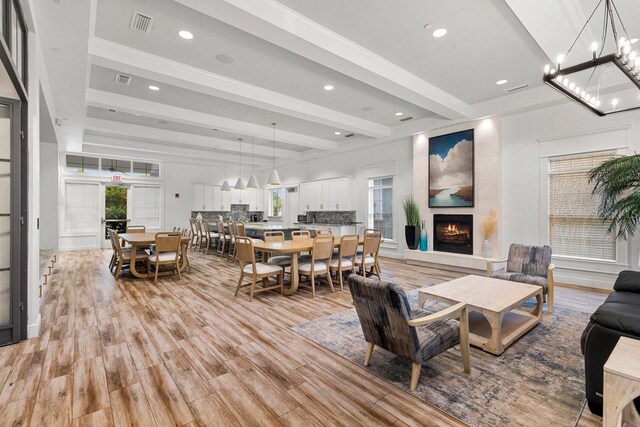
<point x="331" y="217"/>
<point x="237" y="213"/>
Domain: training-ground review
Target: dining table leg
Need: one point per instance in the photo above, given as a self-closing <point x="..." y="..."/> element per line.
<point x="294" y="276"/>
<point x="134" y="270"/>
<point x="184" y="260"/>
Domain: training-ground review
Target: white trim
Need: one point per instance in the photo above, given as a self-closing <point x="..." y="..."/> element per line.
<point x="33" y="330"/>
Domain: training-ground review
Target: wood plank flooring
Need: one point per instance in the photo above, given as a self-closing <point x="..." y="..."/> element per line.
<point x="186" y="352"/>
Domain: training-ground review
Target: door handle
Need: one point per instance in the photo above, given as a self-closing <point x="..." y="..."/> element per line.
<point x="102" y="220"/>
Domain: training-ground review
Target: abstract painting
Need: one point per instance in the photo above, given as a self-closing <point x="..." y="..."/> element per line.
<point x="451" y="170"/>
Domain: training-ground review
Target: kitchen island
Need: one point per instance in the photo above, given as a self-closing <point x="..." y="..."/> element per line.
<point x="256" y="230"/>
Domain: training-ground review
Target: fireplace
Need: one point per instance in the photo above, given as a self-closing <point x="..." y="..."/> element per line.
<point x="453" y="233"/>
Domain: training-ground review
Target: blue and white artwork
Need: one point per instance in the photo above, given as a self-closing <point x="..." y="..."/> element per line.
<point x="451" y="170"/>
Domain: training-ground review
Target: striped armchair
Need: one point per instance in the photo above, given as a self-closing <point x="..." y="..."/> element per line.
<point x="388" y="321"/>
<point x="527" y="264"/>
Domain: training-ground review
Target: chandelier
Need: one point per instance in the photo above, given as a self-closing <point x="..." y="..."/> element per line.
<point x="595" y="82"/>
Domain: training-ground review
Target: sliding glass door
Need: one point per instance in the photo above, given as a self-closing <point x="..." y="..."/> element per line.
<point x="10" y="222"/>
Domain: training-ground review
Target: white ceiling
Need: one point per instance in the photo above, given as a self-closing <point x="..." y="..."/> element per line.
<point x="376" y="53"/>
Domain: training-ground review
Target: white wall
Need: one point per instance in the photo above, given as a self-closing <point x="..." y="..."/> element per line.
<point x="48" y="196"/>
<point x="528" y="139"/>
<point x="487" y="182"/>
<point x="361" y="164"/>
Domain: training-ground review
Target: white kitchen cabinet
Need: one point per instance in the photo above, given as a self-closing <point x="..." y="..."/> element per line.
<point x="199" y="203"/>
<point x="209" y="198"/>
<point x="255" y="199"/>
<point x="308" y="196"/>
<point x="326" y="195"/>
<point x="343" y="194"/>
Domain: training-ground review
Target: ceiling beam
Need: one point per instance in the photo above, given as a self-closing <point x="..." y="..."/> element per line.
<point x="128" y="130"/>
<point x="127" y="104"/>
<point x="284" y="27"/>
<point x="104" y="151"/>
<point x="128" y="60"/>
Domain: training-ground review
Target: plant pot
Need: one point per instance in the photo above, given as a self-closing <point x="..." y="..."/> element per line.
<point x="412" y="236"/>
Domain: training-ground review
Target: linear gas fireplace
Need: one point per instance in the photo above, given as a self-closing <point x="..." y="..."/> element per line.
<point x="453" y="233"/>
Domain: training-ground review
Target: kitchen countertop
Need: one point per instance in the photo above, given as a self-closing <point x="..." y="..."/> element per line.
<point x="326" y="225"/>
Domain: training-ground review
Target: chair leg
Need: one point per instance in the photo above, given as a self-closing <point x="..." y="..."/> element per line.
<point x="239" y="284"/>
<point x="178" y="269"/>
<point x="281" y="282"/>
<point x="550" y="298"/>
<point x="415" y="375"/>
<point x="119" y="268"/>
<point x="253" y="288"/>
<point x="368" y="353"/>
<point x="155" y="280"/>
<point x="313" y="286"/>
<point x="330" y="281"/>
<point x="341" y="280"/>
<point x="376" y="268"/>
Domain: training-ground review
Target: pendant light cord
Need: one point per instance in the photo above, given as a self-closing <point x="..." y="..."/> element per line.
<point x="274" y="145"/>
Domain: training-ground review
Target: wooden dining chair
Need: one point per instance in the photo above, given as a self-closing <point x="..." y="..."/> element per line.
<point x="250" y="269"/>
<point x="320" y="261"/>
<point x="114" y="256"/>
<point x="224" y="239"/>
<point x="124" y="255"/>
<point x="205" y="237"/>
<point x="231" y="254"/>
<point x="282" y="261"/>
<point x="195" y="233"/>
<point x="368" y="259"/>
<point x="346" y="261"/>
<point x="167" y="253"/>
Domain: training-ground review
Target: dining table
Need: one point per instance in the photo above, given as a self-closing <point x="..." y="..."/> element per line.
<point x="292" y="248"/>
<point x="140" y="240"/>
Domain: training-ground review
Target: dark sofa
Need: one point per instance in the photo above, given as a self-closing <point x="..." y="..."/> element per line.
<point x="619" y="316"/>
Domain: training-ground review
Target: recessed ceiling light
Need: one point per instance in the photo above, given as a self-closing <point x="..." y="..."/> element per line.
<point x="152" y="87"/>
<point x="185" y="34"/>
<point x="440" y="32"/>
<point x="399" y="113"/>
<point x="337" y="133"/>
<point x="501" y="82"/>
<point x="328" y="87"/>
<point x="136" y="114"/>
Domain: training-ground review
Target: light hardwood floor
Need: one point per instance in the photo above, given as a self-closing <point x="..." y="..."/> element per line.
<point x="187" y="352"/>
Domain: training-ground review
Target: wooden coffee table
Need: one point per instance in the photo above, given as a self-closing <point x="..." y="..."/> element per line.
<point x="494" y="323"/>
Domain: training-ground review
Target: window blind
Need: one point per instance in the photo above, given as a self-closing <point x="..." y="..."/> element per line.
<point x="381" y="206"/>
<point x="145" y="206"/>
<point x="81" y="207"/>
<point x="574" y="227"/>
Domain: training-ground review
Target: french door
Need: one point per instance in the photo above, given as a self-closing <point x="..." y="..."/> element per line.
<point x="11" y="223"/>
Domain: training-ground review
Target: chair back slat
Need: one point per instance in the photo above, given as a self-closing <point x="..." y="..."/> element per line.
<point x="136" y="229"/>
<point x="349" y="246"/>
<point x="194" y="226"/>
<point x="115" y="242"/>
<point x="371" y="243"/>
<point x="322" y="248"/>
<point x="384" y="312"/>
<point x="273" y="236"/>
<point x="220" y="226"/>
<point x="300" y="234"/>
<point x="232" y="229"/>
<point x="205" y="230"/>
<point x="167" y="242"/>
<point x="245" y="253"/>
<point x="241" y="229"/>
<point x="531" y="260"/>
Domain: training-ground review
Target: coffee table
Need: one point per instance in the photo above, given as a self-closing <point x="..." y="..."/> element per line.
<point x="494" y="321"/>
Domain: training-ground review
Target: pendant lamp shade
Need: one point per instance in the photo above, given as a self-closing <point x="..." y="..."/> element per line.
<point x="253" y="182"/>
<point x="274" y="178"/>
<point x="240" y="185"/>
<point x="225" y="186"/>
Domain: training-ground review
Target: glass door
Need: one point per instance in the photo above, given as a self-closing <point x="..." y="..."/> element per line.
<point x="10" y="221"/>
<point x="115" y="211"/>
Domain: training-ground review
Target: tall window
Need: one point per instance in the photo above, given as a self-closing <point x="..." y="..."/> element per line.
<point x="574" y="227"/>
<point x="81" y="207"/>
<point x="381" y="205"/>
<point x="145" y="206"/>
<point x="277" y="202"/>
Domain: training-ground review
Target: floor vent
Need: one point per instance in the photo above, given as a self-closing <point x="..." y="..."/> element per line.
<point x="123" y="79"/>
<point x="141" y="22"/>
<point x="517" y="88"/>
<point x="406" y="119"/>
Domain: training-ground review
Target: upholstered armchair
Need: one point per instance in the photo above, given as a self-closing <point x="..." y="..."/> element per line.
<point x="387" y="321"/>
<point x="527" y="264"/>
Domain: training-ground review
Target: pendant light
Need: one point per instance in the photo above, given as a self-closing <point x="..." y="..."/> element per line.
<point x="240" y="182"/>
<point x="274" y="178"/>
<point x="253" y="181"/>
<point x="225" y="184"/>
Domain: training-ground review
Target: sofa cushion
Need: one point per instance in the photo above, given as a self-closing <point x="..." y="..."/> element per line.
<point x="621" y="312"/>
<point x="628" y="281"/>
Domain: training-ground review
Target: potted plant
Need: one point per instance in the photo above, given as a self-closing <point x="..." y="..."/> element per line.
<point x="617" y="182"/>
<point x="412" y="229"/>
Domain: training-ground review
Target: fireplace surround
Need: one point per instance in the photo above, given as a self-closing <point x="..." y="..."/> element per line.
<point x="453" y="233"/>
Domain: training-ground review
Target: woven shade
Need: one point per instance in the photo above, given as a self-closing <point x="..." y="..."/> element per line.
<point x="574" y="227"/>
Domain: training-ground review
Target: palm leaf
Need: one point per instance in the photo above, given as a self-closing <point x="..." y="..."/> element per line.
<point x="617" y="182"/>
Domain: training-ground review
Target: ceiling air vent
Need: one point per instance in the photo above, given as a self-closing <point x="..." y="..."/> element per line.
<point x="123" y="79"/>
<point x="517" y="88"/>
<point x="349" y="135"/>
<point x="406" y="119"/>
<point x="141" y="22"/>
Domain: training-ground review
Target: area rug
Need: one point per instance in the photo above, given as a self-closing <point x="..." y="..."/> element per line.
<point x="538" y="381"/>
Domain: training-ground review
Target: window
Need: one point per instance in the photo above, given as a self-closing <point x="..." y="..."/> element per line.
<point x="574" y="227"/>
<point x="81" y="207"/>
<point x="145" y="206"/>
<point x="116" y="166"/>
<point x="381" y="205"/>
<point x="277" y="202"/>
<point x="146" y="169"/>
<point x="82" y="163"/>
